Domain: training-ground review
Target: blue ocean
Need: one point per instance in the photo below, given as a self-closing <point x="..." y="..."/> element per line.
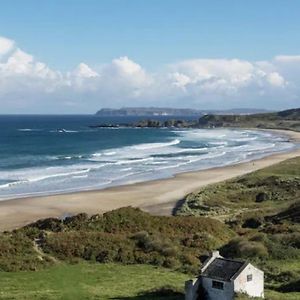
<point x="54" y="154"/>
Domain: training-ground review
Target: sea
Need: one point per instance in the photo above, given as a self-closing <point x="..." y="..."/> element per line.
<point x="42" y="155"/>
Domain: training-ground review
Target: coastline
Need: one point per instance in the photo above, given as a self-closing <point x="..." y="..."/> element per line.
<point x="158" y="197"/>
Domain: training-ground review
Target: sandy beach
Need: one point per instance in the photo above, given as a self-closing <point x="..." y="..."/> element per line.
<point x="159" y="197"/>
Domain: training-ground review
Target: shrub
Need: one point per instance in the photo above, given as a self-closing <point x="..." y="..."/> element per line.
<point x="126" y="235"/>
<point x="282" y="277"/>
<point x="17" y="253"/>
<point x="248" y="249"/>
<point x="278" y="250"/>
<point x="243" y="248"/>
<point x="262" y="196"/>
<point x="50" y="224"/>
<point x="290" y="287"/>
<point x="171" y="262"/>
<point x="254" y="222"/>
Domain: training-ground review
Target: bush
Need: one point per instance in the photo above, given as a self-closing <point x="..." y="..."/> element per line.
<point x="17" y="253"/>
<point x="171" y="262"/>
<point x="290" y="287"/>
<point x="292" y="239"/>
<point x="125" y="235"/>
<point x="253" y="223"/>
<point x="248" y="249"/>
<point x="262" y="196"/>
<point x="278" y="250"/>
<point x="282" y="277"/>
<point x="243" y="248"/>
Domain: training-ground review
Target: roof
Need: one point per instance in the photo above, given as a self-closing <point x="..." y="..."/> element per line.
<point x="224" y="269"/>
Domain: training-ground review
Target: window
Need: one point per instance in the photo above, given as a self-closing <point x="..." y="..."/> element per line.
<point x="249" y="277"/>
<point x="217" y="285"/>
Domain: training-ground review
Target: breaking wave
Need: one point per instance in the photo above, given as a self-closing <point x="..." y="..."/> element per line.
<point x="168" y="152"/>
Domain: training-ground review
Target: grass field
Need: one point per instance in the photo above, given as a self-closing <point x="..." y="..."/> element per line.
<point x="101" y="281"/>
<point x="91" y="281"/>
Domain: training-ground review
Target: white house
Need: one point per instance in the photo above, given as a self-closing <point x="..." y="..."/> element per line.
<point x="221" y="278"/>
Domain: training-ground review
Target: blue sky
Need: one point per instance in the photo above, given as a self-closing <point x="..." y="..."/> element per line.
<point x="154" y="32"/>
<point x="154" y="35"/>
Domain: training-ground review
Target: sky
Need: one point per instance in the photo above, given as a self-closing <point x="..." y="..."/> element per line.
<point x="77" y="56"/>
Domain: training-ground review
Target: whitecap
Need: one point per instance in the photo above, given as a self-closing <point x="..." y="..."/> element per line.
<point x="148" y="146"/>
<point x="28" y="129"/>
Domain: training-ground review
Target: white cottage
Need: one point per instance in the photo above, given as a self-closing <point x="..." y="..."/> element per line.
<point x="221" y="278"/>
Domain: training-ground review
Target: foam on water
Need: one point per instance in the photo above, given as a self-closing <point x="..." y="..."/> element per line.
<point x="138" y="158"/>
<point x="156" y="145"/>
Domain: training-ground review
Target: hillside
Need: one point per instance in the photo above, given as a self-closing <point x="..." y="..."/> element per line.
<point x="287" y="119"/>
<point x="126" y="235"/>
<point x="263" y="208"/>
<point x="255" y="217"/>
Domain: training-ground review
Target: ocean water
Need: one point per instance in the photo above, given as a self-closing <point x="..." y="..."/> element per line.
<point x="35" y="158"/>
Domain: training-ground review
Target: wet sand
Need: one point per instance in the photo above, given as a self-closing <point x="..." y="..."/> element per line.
<point x="159" y="197"/>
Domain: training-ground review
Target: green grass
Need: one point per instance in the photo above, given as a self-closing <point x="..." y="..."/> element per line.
<point x="99" y="281"/>
<point x="280" y="185"/>
<point x="272" y="295"/>
<point x="90" y="281"/>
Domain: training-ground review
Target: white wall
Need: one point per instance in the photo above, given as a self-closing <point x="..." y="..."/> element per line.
<point x="254" y="288"/>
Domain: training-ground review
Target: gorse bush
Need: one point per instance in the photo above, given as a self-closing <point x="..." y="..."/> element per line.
<point x="293" y="286"/>
<point x="263" y="246"/>
<point x="242" y="248"/>
<point x="17" y="253"/>
<point x="126" y="236"/>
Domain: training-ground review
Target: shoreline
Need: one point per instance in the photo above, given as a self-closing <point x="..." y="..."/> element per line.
<point x="158" y="197"/>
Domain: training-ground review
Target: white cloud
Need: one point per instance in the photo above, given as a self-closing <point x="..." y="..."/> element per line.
<point x="126" y="66"/>
<point x="276" y="79"/>
<point x="6" y="45"/>
<point x="126" y="71"/>
<point x="234" y="70"/>
<point x="83" y="70"/>
<point x="29" y="84"/>
<point x="287" y="58"/>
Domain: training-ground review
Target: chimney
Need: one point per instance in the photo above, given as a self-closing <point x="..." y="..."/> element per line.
<point x="215" y="254"/>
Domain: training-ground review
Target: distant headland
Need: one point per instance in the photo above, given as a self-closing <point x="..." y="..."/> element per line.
<point x="165" y="111"/>
<point x="287" y="119"/>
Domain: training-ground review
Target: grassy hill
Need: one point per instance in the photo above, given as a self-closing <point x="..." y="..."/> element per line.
<point x="287" y="119"/>
<point x="263" y="209"/>
<point x="126" y="235"/>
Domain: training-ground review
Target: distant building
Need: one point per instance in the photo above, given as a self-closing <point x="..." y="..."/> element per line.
<point x="221" y="278"/>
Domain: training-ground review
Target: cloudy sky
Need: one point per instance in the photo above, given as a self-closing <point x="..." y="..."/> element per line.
<point x="64" y="56"/>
